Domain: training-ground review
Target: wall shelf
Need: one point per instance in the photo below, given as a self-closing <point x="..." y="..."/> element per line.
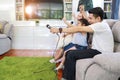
<point x="68" y="9"/>
<point x="107" y="8"/>
<point x="19" y="10"/>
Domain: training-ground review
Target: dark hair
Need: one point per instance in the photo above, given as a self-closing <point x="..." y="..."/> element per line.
<point x="84" y="21"/>
<point x="97" y="12"/>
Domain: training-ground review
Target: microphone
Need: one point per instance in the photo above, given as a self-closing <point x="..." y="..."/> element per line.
<point x="48" y="26"/>
<point x="71" y="22"/>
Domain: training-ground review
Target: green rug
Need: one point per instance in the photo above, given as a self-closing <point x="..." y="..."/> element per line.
<point x="27" y="68"/>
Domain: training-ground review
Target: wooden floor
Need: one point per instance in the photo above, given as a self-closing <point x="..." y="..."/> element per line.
<point x="31" y="53"/>
<point x="28" y="53"/>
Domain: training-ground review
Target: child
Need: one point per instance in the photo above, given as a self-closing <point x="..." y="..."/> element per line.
<point x="81" y="13"/>
<point x="78" y="42"/>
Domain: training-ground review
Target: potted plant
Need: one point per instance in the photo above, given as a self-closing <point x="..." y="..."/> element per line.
<point x="37" y="22"/>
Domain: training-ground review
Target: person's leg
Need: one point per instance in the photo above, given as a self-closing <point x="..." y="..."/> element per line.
<point x="70" y="61"/>
<point x="59" y="54"/>
<point x="63" y="59"/>
<point x="61" y="64"/>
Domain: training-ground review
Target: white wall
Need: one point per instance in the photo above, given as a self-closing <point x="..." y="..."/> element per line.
<point x="7" y="10"/>
<point x="98" y="3"/>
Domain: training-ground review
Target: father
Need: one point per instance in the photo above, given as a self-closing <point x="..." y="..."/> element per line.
<point x="102" y="41"/>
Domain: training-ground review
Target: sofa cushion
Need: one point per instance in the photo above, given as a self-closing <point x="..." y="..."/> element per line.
<point x="0" y="29"/>
<point x="116" y="34"/>
<point x="2" y="36"/>
<point x="116" y="31"/>
<point x="109" y="61"/>
<point x="95" y="72"/>
<point x="111" y="22"/>
<point x="117" y="47"/>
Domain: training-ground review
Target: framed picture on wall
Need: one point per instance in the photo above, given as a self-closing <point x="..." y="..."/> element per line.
<point x="87" y="3"/>
<point x="75" y="5"/>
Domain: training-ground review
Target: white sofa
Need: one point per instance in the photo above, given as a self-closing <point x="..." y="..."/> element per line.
<point x="103" y="66"/>
<point x="5" y="36"/>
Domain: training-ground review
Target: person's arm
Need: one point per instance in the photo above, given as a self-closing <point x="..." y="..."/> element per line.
<point x="67" y="23"/>
<point x="74" y="17"/>
<point x="66" y="34"/>
<point x="84" y="14"/>
<point x="72" y="29"/>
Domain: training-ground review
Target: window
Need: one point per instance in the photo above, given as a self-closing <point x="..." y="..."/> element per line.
<point x="43" y="9"/>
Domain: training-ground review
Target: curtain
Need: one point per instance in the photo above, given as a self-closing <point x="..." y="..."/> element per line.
<point x="115" y="9"/>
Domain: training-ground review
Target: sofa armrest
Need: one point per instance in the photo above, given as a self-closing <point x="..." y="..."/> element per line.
<point x="81" y="67"/>
<point x="110" y="61"/>
<point x="3" y="36"/>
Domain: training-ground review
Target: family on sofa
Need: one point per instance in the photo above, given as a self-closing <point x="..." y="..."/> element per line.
<point x="101" y="61"/>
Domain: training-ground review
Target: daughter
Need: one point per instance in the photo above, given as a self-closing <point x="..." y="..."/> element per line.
<point x="79" y="42"/>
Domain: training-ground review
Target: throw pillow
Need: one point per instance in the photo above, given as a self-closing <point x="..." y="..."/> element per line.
<point x="0" y="28"/>
<point x="2" y="23"/>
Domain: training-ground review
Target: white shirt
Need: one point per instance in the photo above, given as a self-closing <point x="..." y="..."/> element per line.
<point x="102" y="37"/>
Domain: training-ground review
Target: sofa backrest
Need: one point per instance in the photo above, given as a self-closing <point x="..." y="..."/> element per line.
<point x="6" y="28"/>
<point x="115" y="26"/>
<point x="111" y="22"/>
<point x="116" y="34"/>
